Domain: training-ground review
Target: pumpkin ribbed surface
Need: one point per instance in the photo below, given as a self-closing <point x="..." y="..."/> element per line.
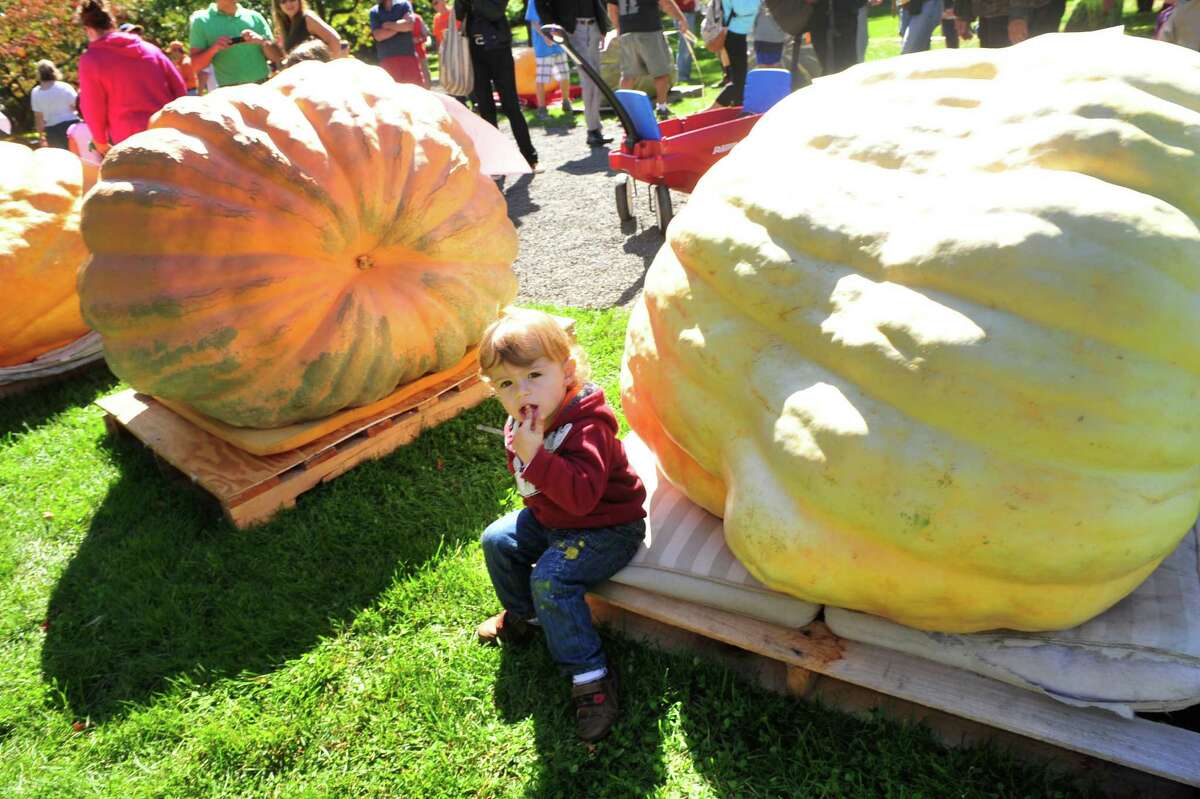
<point x="273" y="254"/>
<point x="929" y="338"/>
<point x="40" y="251"/>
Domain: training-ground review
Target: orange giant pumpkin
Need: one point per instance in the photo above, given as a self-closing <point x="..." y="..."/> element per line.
<point x="273" y="254"/>
<point x="40" y="251"/>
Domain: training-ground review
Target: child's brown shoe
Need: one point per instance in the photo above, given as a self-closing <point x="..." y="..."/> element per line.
<point x="506" y="629"/>
<point x="596" y="707"/>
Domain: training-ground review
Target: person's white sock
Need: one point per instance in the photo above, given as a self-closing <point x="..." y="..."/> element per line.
<point x="589" y="676"/>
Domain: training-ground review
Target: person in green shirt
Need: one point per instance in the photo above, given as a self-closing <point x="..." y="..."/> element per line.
<point x="237" y="41"/>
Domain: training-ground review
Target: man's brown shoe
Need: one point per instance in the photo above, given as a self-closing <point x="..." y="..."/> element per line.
<point x="596" y="707"/>
<point x="504" y="628"/>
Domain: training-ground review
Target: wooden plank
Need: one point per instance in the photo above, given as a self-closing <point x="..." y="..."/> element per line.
<point x="813" y="647"/>
<point x="218" y="467"/>
<point x="427" y="397"/>
<point x="1151" y="747"/>
<point x="800" y="681"/>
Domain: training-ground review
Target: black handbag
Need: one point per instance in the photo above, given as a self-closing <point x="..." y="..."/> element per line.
<point x="488" y="26"/>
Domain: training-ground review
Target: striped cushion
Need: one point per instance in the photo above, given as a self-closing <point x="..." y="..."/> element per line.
<point x="684" y="555"/>
<point x="1142" y="654"/>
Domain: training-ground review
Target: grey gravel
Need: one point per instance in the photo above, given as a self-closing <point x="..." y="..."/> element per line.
<point x="573" y="249"/>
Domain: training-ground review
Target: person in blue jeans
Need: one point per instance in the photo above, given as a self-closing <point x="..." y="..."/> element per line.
<point x="683" y="59"/>
<point x="918" y="19"/>
<point x="584" y="515"/>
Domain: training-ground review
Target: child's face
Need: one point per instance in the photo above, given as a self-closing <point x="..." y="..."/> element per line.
<point x="538" y="387"/>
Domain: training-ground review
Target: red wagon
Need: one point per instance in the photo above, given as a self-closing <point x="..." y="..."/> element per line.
<point x="674" y="154"/>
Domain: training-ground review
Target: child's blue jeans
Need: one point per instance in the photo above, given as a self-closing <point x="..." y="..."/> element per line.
<point x="568" y="562"/>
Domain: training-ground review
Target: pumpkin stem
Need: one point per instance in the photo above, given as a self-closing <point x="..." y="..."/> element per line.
<point x="364" y="262"/>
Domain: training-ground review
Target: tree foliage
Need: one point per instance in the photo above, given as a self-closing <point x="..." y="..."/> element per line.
<point x="31" y="30"/>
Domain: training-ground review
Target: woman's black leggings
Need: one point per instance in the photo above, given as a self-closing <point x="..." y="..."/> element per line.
<point x="495" y="67"/>
<point x="735" y="47"/>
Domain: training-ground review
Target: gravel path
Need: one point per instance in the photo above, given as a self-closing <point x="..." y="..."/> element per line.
<point x="574" y="250"/>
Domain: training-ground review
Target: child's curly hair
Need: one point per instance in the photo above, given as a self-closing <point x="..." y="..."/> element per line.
<point x="520" y="336"/>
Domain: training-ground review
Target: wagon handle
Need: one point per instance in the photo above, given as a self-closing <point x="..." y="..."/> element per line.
<point x="558" y="35"/>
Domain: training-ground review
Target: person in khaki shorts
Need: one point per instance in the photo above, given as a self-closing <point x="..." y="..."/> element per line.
<point x="644" y="49"/>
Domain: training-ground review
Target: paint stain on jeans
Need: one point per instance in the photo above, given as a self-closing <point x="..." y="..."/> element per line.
<point x="570" y="551"/>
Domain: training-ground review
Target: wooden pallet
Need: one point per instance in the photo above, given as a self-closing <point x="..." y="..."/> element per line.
<point x="813" y="658"/>
<point x="252" y="488"/>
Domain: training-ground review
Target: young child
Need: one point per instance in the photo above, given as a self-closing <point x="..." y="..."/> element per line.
<point x="583" y="518"/>
<point x="552" y="65"/>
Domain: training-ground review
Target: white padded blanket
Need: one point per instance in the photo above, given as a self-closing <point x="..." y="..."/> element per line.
<point x="685" y="557"/>
<point x="1141" y="654"/>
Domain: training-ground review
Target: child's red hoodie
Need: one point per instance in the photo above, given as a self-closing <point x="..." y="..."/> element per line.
<point x="580" y="477"/>
<point x="123" y="81"/>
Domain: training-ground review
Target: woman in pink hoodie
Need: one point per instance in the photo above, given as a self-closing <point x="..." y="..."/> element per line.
<point x="123" y="80"/>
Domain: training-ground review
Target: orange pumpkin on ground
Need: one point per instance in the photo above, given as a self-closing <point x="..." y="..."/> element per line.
<point x="525" y="68"/>
<point x="273" y="254"/>
<point x="40" y="251"/>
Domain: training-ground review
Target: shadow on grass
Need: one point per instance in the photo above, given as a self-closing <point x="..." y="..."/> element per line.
<point x="33" y="408"/>
<point x="629" y="762"/>
<point x="163" y="587"/>
<point x="746" y="741"/>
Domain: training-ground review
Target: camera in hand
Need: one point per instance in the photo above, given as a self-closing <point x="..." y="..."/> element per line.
<point x="241" y="37"/>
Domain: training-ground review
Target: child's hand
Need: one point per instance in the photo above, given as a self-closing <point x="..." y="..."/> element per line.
<point x="528" y="436"/>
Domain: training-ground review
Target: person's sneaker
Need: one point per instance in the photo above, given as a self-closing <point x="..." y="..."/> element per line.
<point x="596" y="706"/>
<point x="662" y="112"/>
<point x="567" y="108"/>
<point x="543" y="114"/>
<point x="597" y="139"/>
<point x="505" y="629"/>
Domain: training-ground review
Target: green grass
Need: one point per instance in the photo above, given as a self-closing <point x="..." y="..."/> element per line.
<point x="330" y="652"/>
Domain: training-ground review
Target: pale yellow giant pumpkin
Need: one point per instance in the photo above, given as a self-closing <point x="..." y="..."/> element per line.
<point x="929" y="338"/>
